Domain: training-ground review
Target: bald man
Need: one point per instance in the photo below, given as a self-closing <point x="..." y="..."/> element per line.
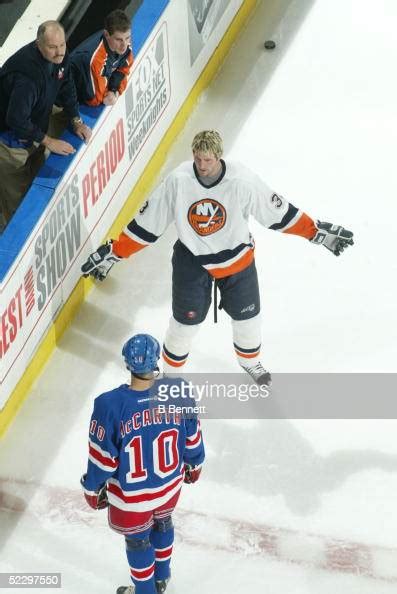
<point x="31" y="81"/>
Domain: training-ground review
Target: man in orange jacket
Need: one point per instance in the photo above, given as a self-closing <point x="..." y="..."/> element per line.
<point x="102" y="63"/>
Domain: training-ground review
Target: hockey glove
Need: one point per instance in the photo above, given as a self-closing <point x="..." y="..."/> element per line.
<point x="333" y="237"/>
<point x="95" y="499"/>
<point x="192" y="473"/>
<point x="100" y="262"/>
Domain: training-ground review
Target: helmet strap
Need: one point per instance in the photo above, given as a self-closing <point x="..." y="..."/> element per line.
<point x="155" y="374"/>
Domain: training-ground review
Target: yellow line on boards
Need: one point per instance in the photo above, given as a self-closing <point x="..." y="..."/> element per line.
<point x="141" y="189"/>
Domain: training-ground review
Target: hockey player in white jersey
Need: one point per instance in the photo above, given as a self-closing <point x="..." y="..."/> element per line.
<point x="210" y="202"/>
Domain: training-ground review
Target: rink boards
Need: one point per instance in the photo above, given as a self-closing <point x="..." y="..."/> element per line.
<point x="72" y="211"/>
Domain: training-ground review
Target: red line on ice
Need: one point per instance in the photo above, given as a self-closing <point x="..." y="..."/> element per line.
<point x="63" y="504"/>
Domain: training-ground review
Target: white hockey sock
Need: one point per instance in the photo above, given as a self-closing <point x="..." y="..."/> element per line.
<point x="177" y="343"/>
<point x="247" y="340"/>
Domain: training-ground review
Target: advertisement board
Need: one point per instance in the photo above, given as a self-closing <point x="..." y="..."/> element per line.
<point x="99" y="181"/>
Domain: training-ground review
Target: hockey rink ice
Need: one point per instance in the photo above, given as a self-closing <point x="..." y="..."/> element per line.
<point x="282" y="506"/>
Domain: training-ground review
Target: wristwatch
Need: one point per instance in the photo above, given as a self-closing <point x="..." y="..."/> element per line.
<point x="76" y="121"/>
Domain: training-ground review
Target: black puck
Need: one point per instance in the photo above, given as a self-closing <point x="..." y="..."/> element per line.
<point x="269" y="44"/>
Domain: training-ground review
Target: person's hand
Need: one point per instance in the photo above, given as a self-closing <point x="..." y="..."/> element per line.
<point x="192" y="473"/>
<point x="58" y="146"/>
<point x="82" y="131"/>
<point x="110" y="98"/>
<point x="99" y="263"/>
<point x="333" y="237"/>
<point x="95" y="499"/>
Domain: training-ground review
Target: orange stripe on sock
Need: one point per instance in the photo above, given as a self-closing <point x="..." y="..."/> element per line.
<point x="171" y="362"/>
<point x="247" y="355"/>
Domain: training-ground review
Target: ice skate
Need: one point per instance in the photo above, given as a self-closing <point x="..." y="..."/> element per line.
<point x="161" y="585"/>
<point x="259" y="374"/>
<point x="125" y="590"/>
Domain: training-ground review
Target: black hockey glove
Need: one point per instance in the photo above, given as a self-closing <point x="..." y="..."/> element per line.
<point x="192" y="473"/>
<point x="100" y="262"/>
<point x="333" y="237"/>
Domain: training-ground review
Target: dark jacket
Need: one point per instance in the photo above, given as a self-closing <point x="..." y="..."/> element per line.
<point x="29" y="87"/>
<point x="97" y="70"/>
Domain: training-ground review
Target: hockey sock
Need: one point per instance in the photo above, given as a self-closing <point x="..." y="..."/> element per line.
<point x="140" y="555"/>
<point x="162" y="538"/>
<point x="247" y="340"/>
<point x="177" y="343"/>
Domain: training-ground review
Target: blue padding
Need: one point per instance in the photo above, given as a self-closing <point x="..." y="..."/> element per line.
<point x="21" y="225"/>
<point x="55" y="166"/>
<point x="144" y="21"/>
<point x="43" y="187"/>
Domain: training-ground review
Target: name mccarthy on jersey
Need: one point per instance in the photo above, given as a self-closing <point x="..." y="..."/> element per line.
<point x="149" y="416"/>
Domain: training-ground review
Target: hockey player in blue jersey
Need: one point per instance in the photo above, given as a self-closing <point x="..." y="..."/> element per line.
<point x="139" y="456"/>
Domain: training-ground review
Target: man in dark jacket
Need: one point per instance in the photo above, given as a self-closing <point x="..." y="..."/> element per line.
<point x="31" y="81"/>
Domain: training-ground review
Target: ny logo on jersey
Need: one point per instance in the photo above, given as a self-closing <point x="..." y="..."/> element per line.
<point x="207" y="216"/>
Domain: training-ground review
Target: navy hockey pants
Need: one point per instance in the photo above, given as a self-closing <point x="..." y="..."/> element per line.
<point x="192" y="287"/>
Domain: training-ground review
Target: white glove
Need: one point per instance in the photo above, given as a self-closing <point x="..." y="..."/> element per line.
<point x="333" y="237"/>
<point x="100" y="262"/>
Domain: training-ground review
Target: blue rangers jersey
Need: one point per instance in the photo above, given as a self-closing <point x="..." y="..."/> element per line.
<point x="139" y="447"/>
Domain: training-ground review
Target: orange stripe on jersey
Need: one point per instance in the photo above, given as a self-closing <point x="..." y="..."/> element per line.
<point x="126" y="71"/>
<point x="247" y="355"/>
<point x="171" y="362"/>
<point x="124" y="246"/>
<point x="304" y="227"/>
<point x="237" y="266"/>
<point x="99" y="82"/>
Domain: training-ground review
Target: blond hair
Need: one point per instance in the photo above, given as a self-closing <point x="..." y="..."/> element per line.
<point x="208" y="141"/>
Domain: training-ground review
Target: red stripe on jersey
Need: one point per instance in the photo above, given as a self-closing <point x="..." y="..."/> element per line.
<point x="142" y="574"/>
<point x="112" y="488"/>
<point x="163" y="553"/>
<point x="172" y="362"/>
<point x="105" y="461"/>
<point x="195" y="440"/>
<point x="304" y="227"/>
<point x="247" y="355"/>
<point x="237" y="266"/>
<point x="124" y="246"/>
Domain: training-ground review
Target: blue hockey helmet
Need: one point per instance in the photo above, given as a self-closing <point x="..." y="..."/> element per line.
<point x="141" y="354"/>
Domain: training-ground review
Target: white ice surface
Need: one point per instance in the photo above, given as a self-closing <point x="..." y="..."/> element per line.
<point x="317" y="119"/>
